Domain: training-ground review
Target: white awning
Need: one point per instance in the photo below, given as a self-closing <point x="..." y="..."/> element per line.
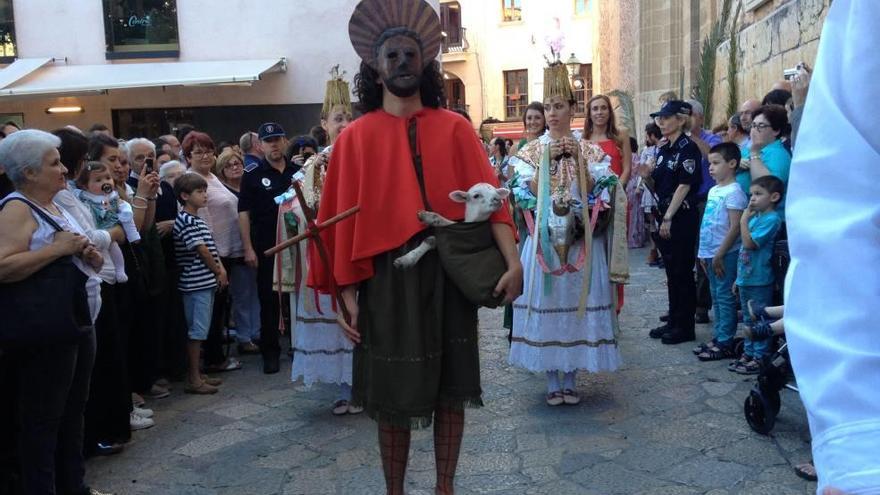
<point x="19" y="69"/>
<point x="62" y="79"/>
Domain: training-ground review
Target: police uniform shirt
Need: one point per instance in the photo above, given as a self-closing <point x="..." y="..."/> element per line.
<point x="677" y="163"/>
<point x="259" y="188"/>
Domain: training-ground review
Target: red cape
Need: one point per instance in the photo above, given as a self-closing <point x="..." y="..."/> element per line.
<point x="371" y="166"/>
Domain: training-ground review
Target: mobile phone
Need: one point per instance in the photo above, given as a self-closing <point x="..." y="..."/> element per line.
<point x="306" y="156"/>
<point x="148" y="163"/>
<point x="789" y="73"/>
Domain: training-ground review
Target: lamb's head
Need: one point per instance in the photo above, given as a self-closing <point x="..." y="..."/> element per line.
<point x="481" y="201"/>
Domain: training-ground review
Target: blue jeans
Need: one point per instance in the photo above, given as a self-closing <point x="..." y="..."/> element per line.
<point x="763" y="294"/>
<point x="723" y="300"/>
<point x="245" y="303"/>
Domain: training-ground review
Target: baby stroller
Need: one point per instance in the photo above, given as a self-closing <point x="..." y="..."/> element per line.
<point x="762" y="405"/>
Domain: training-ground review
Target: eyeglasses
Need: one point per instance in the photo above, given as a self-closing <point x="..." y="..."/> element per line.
<point x="761" y="126"/>
<point x="202" y="152"/>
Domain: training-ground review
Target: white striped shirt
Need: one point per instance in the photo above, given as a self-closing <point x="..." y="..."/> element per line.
<point x="190" y="232"/>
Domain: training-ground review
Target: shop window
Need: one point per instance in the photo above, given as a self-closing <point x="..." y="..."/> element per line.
<point x="141" y="28"/>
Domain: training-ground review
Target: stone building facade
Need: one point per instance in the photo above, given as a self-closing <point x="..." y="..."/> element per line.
<point x="649" y="47"/>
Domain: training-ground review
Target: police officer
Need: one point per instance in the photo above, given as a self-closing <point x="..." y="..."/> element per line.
<point x="677" y="178"/>
<point x="258" y="215"/>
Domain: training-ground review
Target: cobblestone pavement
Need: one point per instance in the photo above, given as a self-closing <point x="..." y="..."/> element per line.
<point x="665" y="424"/>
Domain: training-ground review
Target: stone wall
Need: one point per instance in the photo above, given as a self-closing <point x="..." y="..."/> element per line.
<point x="776" y="37"/>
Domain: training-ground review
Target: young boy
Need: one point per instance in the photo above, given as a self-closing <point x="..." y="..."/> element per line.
<point x="719" y="247"/>
<point x="200" y="274"/>
<point x="759" y="225"/>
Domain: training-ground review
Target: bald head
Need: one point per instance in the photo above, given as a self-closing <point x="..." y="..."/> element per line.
<point x="746" y="110"/>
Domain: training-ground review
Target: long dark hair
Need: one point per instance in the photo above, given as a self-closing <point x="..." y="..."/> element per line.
<point x="369" y="91"/>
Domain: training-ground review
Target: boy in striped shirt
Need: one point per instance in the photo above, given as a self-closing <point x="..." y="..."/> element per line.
<point x="201" y="274"/>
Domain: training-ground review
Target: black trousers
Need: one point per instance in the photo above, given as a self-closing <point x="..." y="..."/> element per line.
<point x="172" y="335"/>
<point x="53" y="385"/>
<point x="269" y="307"/>
<point x="213" y="346"/>
<point x="679" y="256"/>
<point x="109" y="405"/>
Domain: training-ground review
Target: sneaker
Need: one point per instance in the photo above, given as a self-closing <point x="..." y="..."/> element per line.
<point x="571" y="397"/>
<point x="157" y="392"/>
<point x="355" y="409"/>
<point x="164" y="383"/>
<point x="138" y="423"/>
<point x="137" y="400"/>
<point x="555" y="398"/>
<point x="340" y="407"/>
<point x="143" y="412"/>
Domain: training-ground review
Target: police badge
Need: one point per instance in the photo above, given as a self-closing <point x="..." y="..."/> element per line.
<point x="689" y="166"/>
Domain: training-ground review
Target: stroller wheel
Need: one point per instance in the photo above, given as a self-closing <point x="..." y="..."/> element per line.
<point x="761" y="412"/>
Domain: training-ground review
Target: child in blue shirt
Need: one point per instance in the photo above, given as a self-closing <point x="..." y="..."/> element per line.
<point x="759" y="225"/>
<point x="719" y="247"/>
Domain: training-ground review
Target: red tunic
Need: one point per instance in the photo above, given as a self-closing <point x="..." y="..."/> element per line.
<point x="371" y="166"/>
<point x="610" y="148"/>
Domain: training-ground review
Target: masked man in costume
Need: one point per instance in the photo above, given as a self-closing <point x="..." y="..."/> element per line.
<point x="416" y="358"/>
<point x="566" y="319"/>
<point x="321" y="351"/>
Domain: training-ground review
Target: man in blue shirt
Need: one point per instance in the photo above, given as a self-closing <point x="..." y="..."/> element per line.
<point x="253" y="152"/>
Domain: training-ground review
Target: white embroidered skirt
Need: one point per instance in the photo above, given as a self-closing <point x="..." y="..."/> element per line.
<point x="321" y="352"/>
<point x="553" y="337"/>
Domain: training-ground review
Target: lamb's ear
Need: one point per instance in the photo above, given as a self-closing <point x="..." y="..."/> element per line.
<point x="502" y="192"/>
<point x="458" y="196"/>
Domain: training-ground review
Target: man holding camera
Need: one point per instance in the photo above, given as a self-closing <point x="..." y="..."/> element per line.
<point x="258" y="217"/>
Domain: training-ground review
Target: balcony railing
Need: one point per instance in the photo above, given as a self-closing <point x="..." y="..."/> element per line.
<point x="455" y="40"/>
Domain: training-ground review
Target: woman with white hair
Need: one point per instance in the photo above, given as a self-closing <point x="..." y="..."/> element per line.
<point x="39" y="240"/>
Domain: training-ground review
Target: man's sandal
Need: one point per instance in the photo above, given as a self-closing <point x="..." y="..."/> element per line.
<point x="806" y="471"/>
<point x="702" y="347"/>
<point x="340" y="407"/>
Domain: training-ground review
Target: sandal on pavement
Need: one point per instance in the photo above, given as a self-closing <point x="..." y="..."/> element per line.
<point x="570" y="397"/>
<point x="750" y="367"/>
<point x="231" y="364"/>
<point x="715" y="353"/>
<point x="214" y="382"/>
<point x="355" y="409"/>
<point x="555" y="398"/>
<point x="806" y="471"/>
<point x="702" y="347"/>
<point x="340" y="407"/>
<point x="199" y="389"/>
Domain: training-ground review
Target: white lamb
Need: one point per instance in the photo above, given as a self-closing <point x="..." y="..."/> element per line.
<point x="481" y="201"/>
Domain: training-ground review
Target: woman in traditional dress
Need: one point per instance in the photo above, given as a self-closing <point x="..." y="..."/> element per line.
<point x="565" y="321"/>
<point x="535" y="126"/>
<point x="321" y="352"/>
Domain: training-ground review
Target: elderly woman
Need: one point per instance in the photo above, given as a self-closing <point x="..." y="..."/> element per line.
<point x="36" y="233"/>
<point x="230" y="170"/>
<point x="242" y="278"/>
<point x="221" y="215"/>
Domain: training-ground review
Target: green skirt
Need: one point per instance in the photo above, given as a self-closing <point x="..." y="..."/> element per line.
<point x="419" y="346"/>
